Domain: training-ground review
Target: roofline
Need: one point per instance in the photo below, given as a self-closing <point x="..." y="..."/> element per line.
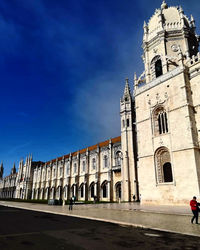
<point x="90" y="148"/>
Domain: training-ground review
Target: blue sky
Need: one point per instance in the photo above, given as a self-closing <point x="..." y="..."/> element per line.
<point x="63" y="66"/>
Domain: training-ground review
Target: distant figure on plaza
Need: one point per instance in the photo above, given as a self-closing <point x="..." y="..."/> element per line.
<point x="195" y="209"/>
<point x="134" y="198"/>
<point x="71" y="204"/>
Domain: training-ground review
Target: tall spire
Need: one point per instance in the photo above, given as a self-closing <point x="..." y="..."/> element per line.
<point x="1" y="170"/>
<point x="14" y="169"/>
<point x="127" y="91"/>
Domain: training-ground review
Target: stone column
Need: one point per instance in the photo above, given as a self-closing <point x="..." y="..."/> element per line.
<point x="66" y="192"/>
<point x="47" y="193"/>
<point x="95" y="189"/>
<point x="108" y="185"/>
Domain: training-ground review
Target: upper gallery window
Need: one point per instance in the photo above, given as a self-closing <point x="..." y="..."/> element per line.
<point x="68" y="168"/>
<point x="93" y="163"/>
<point x="75" y="167"/>
<point x="160" y="121"/>
<point x="105" y="161"/>
<point x="83" y="166"/>
<point x="61" y="171"/>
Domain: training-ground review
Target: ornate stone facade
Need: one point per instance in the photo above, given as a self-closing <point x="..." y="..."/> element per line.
<point x="157" y="156"/>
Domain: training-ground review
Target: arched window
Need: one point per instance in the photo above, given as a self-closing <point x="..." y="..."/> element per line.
<point x="160" y="121"/>
<point x="163" y="165"/>
<point x="156" y="67"/>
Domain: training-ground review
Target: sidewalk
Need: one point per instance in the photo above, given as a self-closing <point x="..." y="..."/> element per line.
<point x="165" y="218"/>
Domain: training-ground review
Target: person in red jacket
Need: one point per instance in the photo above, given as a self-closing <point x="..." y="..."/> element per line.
<point x="195" y="209"/>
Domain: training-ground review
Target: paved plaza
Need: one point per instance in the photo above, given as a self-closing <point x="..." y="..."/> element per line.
<point x="165" y="218"/>
<point x="22" y="229"/>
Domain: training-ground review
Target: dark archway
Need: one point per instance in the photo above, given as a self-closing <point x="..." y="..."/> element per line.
<point x="82" y="191"/>
<point x="104" y="190"/>
<point x="167" y="172"/>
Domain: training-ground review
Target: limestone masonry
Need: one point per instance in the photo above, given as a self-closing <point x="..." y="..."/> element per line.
<point x="157" y="157"/>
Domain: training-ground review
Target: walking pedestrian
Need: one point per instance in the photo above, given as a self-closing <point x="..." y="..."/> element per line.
<point x="70" y="204"/>
<point x="195" y="209"/>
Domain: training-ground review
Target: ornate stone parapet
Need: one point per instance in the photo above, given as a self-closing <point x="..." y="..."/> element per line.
<point x="159" y="80"/>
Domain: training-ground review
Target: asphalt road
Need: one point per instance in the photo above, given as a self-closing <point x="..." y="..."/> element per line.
<point x="23" y="229"/>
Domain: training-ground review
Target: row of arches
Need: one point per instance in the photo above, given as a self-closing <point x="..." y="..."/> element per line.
<point x="8" y="192"/>
<point x="81" y="192"/>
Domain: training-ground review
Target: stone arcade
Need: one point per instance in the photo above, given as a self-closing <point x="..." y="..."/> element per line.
<point x="157" y="156"/>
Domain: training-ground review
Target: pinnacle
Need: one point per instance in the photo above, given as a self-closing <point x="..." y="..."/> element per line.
<point x="164" y="5"/>
<point x="127" y="88"/>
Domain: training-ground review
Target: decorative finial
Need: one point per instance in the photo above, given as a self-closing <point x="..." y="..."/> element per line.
<point x="164" y="5"/>
<point x="192" y="22"/>
<point x="145" y="27"/>
<point x="135" y="76"/>
<point x="180" y="9"/>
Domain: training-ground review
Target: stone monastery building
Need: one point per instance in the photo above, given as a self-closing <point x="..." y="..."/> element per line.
<point x="157" y="156"/>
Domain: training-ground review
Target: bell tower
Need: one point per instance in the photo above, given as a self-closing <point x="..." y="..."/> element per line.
<point x="129" y="174"/>
<point x="167" y="33"/>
